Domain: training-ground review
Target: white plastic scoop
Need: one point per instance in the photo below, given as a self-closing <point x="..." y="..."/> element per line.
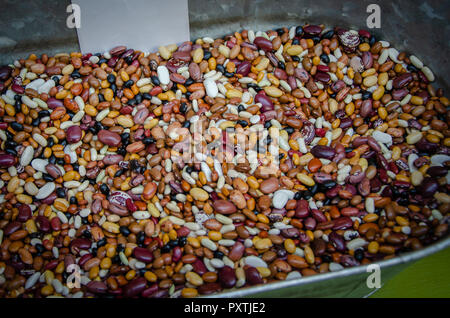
<point x="142" y="25"/>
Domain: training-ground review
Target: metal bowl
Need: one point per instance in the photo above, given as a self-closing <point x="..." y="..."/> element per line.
<point x="418" y="27"/>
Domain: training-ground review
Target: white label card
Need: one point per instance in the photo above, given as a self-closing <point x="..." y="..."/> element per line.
<point x="142" y="25"/>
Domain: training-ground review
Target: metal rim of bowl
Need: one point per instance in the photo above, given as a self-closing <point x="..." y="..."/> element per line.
<point x="397" y="260"/>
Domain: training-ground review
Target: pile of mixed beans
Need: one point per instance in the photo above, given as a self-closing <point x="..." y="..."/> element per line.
<point x="96" y="201"/>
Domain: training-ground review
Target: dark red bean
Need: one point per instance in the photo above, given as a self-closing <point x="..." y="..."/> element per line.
<point x="263" y="43"/>
<point x="135" y="287"/>
<point x="11" y="228"/>
<point x="322" y="77"/>
<point x="53" y="103"/>
<point x="437" y="171"/>
<point x="265" y="102"/>
<point x="252" y="276"/>
<point x="323" y="152"/>
<point x="312" y="29"/>
<point x="142" y="254"/>
<point x="97" y="287"/>
<point x="109" y="138"/>
<point x="227" y="277"/>
<point x="209" y="288"/>
<point x="342" y="223"/>
<point x="199" y="267"/>
<point x="5" y="72"/>
<point x="7" y="160"/>
<point x="43" y="224"/>
<point x="402" y="80"/>
<point x="429" y="187"/>
<point x="337" y="241"/>
<point x="302" y="209"/>
<point x="24" y="213"/>
<point x="310" y="223"/>
<point x="81" y="244"/>
<point x="244" y="68"/>
<point x="73" y="134"/>
<point x="318" y="215"/>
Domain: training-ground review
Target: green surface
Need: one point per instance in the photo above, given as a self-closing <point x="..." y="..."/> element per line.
<point x="428" y="277"/>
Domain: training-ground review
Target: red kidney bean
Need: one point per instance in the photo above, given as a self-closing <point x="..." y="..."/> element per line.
<point x="402" y="80"/>
<point x="318" y="215"/>
<point x="337" y="241"/>
<point x="323" y="152"/>
<point x="199" y="267"/>
<point x="97" y="287"/>
<point x="73" y="134"/>
<point x="43" y="224"/>
<point x="182" y="56"/>
<point x="135" y="287"/>
<point x="358" y="141"/>
<point x="142" y="254"/>
<point x="7" y="160"/>
<point x="83" y="259"/>
<point x="310" y="223"/>
<point x="237" y="251"/>
<point x="280" y="74"/>
<point x="5" y="72"/>
<point x="263" y="43"/>
<point x="312" y="29"/>
<point x="55" y="223"/>
<point x="80" y="244"/>
<point x="342" y="223"/>
<point x="437" y="171"/>
<point x="227" y="277"/>
<point x="149" y="292"/>
<point x="302" y="209"/>
<point x="244" y="68"/>
<point x="252" y="276"/>
<point x="53" y="103"/>
<point x="429" y="187"/>
<point x="265" y="102"/>
<point x="24" y="213"/>
<point x="109" y="138"/>
<point x="11" y="228"/>
<point x="209" y="288"/>
<point x="322" y="77"/>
